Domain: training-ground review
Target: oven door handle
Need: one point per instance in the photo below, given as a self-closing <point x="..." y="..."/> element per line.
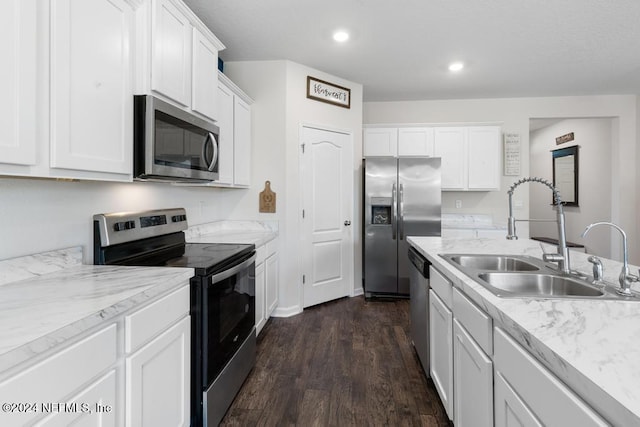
<point x="233" y="270"/>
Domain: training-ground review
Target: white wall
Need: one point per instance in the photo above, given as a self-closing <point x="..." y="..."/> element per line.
<point x="42" y="215"/>
<point x="593" y="136"/>
<point x="283" y="112"/>
<point x="514" y="114"/>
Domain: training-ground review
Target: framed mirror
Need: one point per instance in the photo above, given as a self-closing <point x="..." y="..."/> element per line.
<point x="565" y="174"/>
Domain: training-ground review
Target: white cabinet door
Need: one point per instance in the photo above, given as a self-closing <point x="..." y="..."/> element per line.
<point x="271" y="283"/>
<point x="225" y="139"/>
<point x="415" y="142"/>
<point x="158" y="380"/>
<point x="91" y="86"/>
<point x="205" y="76"/>
<point x="548" y="398"/>
<point x="484" y="158"/>
<point x="473" y="384"/>
<point x="380" y="142"/>
<point x="92" y="407"/>
<point x="261" y="318"/>
<point x="18" y="82"/>
<point x="449" y="144"/>
<point x="171" y="52"/>
<point x="241" y="143"/>
<point x="510" y="410"/>
<point x="441" y="350"/>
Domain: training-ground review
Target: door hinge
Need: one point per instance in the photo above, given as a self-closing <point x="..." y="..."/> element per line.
<point x="303" y="279"/>
<point x="302" y="145"/>
<point x="302" y="213"/>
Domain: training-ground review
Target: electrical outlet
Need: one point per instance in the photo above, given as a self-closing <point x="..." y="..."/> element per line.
<point x="458" y="204"/>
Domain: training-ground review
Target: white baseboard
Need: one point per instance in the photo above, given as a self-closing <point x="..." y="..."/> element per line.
<point x="357" y="291"/>
<point x="286" y="311"/>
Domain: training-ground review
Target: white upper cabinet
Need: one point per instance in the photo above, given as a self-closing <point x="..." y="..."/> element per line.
<point x="225" y="140"/>
<point x="242" y="143"/>
<point x="204" y="76"/>
<point x="91" y="86"/>
<point x="398" y="142"/>
<point x="449" y="144"/>
<point x="415" y="142"/>
<point x="18" y="82"/>
<point x="470" y="157"/>
<point x="380" y="142"/>
<point x="234" y="120"/>
<point x="171" y="52"/>
<point x="177" y="57"/>
<point x="484" y="158"/>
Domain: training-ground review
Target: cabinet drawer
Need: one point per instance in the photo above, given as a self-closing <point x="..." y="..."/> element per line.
<point x="441" y="286"/>
<point x="272" y="247"/>
<point x="146" y="323"/>
<point x="476" y="322"/>
<point x="261" y="254"/>
<point x="546" y="396"/>
<point x="54" y="378"/>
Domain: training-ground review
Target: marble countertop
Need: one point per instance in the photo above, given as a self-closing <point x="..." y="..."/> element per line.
<point x="258" y="233"/>
<point x="46" y="299"/>
<point x="593" y="346"/>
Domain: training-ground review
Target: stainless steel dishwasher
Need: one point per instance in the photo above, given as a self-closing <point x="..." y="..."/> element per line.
<point x="419" y="306"/>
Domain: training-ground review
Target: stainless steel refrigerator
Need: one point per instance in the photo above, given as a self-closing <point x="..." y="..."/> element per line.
<point x="402" y="197"/>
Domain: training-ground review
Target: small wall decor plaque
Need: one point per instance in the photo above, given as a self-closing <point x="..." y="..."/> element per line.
<point x="564" y="138"/>
<point x="267" y="199"/>
<point x="511" y="154"/>
<point x="330" y="93"/>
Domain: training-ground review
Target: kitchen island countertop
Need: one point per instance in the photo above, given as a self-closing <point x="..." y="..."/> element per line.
<point x="593" y="346"/>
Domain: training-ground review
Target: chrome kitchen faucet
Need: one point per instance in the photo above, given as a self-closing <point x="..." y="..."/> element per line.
<point x="562" y="257"/>
<point x="625" y="277"/>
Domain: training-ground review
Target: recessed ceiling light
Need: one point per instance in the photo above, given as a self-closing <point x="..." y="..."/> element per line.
<point x="341" y="36"/>
<point x="456" y="66"/>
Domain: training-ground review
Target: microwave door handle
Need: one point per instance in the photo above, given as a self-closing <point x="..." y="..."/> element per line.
<point x="214" y="144"/>
<point x="204" y="152"/>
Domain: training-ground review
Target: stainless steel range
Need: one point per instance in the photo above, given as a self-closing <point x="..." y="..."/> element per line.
<point x="223" y="337"/>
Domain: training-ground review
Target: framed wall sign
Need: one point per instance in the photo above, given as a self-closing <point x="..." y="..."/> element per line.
<point x="330" y="93"/>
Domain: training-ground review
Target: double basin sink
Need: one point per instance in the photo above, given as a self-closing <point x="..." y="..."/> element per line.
<point x="525" y="276"/>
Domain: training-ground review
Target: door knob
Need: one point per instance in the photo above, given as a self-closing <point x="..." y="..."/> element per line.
<point x="347" y="222"/>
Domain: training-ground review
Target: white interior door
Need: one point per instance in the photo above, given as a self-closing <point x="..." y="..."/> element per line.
<point x="327" y="199"/>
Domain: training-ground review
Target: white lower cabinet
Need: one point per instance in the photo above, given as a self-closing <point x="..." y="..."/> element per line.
<point x="67" y="372"/>
<point x="529" y="394"/>
<point x="473" y="384"/>
<point x="484" y="377"/>
<point x="266" y="282"/>
<point x="83" y="384"/>
<point x="460" y="341"/>
<point x="93" y="407"/>
<point x="441" y="350"/>
<point x="510" y="410"/>
<point x="261" y="314"/>
<point x="158" y="380"/>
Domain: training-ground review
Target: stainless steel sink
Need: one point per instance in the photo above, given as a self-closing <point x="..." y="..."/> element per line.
<point x="538" y="285"/>
<point x="494" y="262"/>
<point x="522" y="276"/>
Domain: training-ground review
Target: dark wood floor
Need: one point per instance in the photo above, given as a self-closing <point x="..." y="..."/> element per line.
<point x="349" y="362"/>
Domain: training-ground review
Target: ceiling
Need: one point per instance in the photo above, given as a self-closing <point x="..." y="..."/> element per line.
<point x="400" y="50"/>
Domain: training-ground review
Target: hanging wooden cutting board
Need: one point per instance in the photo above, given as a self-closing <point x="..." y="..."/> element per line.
<point x="267" y="199"/>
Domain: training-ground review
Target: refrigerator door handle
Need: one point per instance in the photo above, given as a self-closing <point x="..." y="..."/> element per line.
<point x="401" y="212"/>
<point x="394" y="211"/>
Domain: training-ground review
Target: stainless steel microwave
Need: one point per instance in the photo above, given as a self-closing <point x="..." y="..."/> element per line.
<point x="171" y="144"/>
